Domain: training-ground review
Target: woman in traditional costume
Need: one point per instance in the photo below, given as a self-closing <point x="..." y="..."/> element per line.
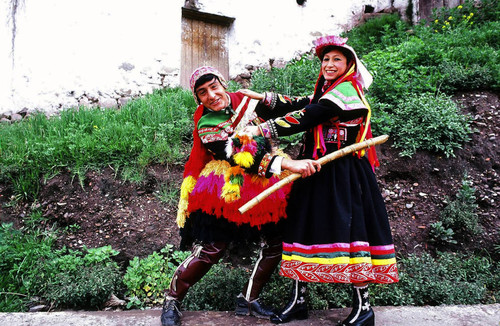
<point x="337" y="230"/>
<point x="224" y="171"/>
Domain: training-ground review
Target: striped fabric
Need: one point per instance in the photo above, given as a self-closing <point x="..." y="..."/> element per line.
<point x="339" y="263"/>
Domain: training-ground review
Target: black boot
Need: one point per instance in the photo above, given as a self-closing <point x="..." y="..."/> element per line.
<point x="296" y="307"/>
<point x="247" y="303"/>
<point x="171" y="314"/>
<point x="362" y="314"/>
<point x="252" y="308"/>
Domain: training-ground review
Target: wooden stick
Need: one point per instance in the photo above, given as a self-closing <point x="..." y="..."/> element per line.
<point x="323" y="160"/>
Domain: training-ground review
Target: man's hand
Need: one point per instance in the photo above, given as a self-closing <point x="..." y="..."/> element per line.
<point x="305" y="167"/>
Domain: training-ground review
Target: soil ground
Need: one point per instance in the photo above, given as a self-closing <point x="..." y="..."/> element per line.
<point x="134" y="220"/>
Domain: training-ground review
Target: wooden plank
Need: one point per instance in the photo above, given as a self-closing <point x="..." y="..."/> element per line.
<point x="203" y="43"/>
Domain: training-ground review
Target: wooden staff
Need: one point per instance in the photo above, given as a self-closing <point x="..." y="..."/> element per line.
<point x="323" y="160"/>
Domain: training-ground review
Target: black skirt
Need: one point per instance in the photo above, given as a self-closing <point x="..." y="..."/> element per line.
<point x="337" y="228"/>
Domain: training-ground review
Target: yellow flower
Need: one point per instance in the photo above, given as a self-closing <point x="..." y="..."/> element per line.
<point x="471" y="14"/>
<point x="460" y="7"/>
<point x="446" y="23"/>
<point x="464" y="16"/>
<point x="436" y="30"/>
<point x="96" y="127"/>
<point x="450" y="18"/>
<point x="437" y="21"/>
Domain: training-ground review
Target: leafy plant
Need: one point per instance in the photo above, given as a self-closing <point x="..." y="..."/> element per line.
<point x="31" y="266"/>
<point x="377" y="33"/>
<point x="441" y="235"/>
<point x="297" y="78"/>
<point x="217" y="290"/>
<point x="85" y="287"/>
<point x="461" y="214"/>
<point x="146" y="279"/>
<point x="467" y="14"/>
<point x="448" y="278"/>
<point x="429" y="122"/>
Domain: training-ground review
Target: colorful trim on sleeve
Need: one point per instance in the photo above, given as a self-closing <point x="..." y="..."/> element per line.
<point x="270" y="100"/>
<point x="264" y="165"/>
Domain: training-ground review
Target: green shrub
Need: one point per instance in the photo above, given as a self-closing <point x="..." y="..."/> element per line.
<point x="381" y="120"/>
<point x="297" y="78"/>
<point x="377" y="33"/>
<point x="461" y="214"/>
<point x="217" y="290"/>
<point x="458" y="77"/>
<point x="30" y="266"/>
<point x="146" y="279"/>
<point x="469" y="13"/>
<point x="429" y="122"/>
<point x="447" y="279"/>
<point x="85" y="287"/>
<point x="83" y="279"/>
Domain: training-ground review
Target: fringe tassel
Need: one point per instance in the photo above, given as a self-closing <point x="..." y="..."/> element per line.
<point x="186" y="188"/>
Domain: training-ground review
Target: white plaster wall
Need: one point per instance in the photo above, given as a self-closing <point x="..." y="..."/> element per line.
<point x="281" y="29"/>
<point x="72" y="50"/>
<point x="82" y="52"/>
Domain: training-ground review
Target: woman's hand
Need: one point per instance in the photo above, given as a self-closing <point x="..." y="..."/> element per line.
<point x="305" y="167"/>
<point x="252" y="94"/>
<point x="251" y="130"/>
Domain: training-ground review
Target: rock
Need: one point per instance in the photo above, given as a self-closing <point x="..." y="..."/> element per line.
<point x="16" y="117"/>
<point x="40" y="307"/>
<point x="114" y="301"/>
<point x="107" y="103"/>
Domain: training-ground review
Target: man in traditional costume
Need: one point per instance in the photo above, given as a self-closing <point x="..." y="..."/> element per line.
<point x="337" y="230"/>
<point x="225" y="170"/>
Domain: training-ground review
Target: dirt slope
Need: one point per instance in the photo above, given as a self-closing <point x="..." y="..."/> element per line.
<point x="133" y="220"/>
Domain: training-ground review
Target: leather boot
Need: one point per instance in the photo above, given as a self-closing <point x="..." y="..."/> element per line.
<point x="362" y="314"/>
<point x="187" y="274"/>
<point x="171" y="313"/>
<point x="296" y="307"/>
<point x="247" y="303"/>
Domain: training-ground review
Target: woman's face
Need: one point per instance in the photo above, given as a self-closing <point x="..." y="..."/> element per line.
<point x="334" y="65"/>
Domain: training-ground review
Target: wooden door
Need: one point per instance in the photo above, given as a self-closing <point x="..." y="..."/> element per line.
<point x="204" y="43"/>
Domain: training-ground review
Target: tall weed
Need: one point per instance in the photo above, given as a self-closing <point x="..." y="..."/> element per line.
<point x="148" y="130"/>
<point x="461" y="213"/>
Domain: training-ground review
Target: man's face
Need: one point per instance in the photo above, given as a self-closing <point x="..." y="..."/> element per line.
<point x="212" y="95"/>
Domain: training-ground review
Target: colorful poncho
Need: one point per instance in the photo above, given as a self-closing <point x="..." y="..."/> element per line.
<point x="220" y="186"/>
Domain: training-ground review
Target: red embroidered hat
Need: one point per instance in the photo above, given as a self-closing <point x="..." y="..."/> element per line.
<point x="362" y="74"/>
<point x="201" y="71"/>
<point x="330" y="40"/>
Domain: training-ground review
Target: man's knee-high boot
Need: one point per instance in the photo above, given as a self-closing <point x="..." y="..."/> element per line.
<point x="296" y="308"/>
<point x="362" y="314"/>
<point x="247" y="303"/>
<point x="187" y="274"/>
